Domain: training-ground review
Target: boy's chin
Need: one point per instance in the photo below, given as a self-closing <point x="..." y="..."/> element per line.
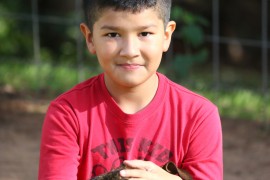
<point x="130" y="81"/>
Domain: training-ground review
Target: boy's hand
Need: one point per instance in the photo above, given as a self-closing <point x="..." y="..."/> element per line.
<point x="145" y="170"/>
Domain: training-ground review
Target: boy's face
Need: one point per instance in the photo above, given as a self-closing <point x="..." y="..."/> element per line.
<point x="129" y="46"/>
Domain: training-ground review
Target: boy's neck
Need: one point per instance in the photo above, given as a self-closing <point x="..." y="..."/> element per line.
<point x="133" y="99"/>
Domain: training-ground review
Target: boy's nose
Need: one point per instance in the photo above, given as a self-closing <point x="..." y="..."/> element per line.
<point x="130" y="48"/>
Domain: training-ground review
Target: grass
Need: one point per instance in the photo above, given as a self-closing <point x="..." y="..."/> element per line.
<point x="241" y="104"/>
<point x="49" y="81"/>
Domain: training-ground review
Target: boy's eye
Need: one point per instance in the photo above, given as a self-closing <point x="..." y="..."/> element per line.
<point x="145" y="33"/>
<point x="112" y="35"/>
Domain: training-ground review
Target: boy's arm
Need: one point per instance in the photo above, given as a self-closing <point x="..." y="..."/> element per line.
<point x="204" y="157"/>
<point x="59" y="153"/>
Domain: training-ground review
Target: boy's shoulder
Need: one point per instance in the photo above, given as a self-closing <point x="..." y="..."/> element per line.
<point x="81" y="89"/>
<point x="183" y="93"/>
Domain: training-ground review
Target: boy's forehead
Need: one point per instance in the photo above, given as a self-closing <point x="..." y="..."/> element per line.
<point x="142" y="15"/>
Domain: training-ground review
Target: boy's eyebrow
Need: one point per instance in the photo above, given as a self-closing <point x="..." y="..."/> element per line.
<point x="108" y="27"/>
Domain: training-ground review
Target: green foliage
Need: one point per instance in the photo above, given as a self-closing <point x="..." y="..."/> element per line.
<point x="184" y="62"/>
<point x="15" y="36"/>
<point x="186" y="17"/>
<point x="240" y="104"/>
<point x="191" y="34"/>
<point x="48" y="79"/>
<point x="3" y="28"/>
<point x="57" y="41"/>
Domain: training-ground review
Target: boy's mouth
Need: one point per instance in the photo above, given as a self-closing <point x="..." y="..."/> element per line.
<point x="130" y="66"/>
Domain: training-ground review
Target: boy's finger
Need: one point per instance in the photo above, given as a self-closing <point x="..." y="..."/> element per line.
<point x="140" y="164"/>
<point x="134" y="173"/>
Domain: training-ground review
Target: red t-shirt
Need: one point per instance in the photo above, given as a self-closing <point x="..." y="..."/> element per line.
<point x="85" y="133"/>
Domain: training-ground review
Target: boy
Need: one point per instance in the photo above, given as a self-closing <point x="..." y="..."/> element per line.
<point x="130" y="113"/>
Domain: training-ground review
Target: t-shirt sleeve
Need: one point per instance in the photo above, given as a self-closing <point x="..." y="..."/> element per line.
<point x="204" y="155"/>
<point x="59" y="150"/>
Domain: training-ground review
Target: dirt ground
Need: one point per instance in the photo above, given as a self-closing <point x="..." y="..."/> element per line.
<point x="246" y="145"/>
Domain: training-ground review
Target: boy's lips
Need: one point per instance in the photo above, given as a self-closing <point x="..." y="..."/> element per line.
<point x="130" y="66"/>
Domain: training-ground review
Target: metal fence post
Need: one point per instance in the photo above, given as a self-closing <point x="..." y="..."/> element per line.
<point x="215" y="44"/>
<point x="36" y="40"/>
<point x="79" y="40"/>
<point x="264" y="45"/>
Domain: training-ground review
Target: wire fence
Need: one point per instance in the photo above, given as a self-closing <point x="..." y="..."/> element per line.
<point x="263" y="44"/>
<point x="214" y="38"/>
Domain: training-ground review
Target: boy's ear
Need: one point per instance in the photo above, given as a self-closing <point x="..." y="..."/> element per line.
<point x="168" y="35"/>
<point x="88" y="38"/>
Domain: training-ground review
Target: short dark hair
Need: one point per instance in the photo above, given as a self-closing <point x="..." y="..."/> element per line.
<point x="94" y="8"/>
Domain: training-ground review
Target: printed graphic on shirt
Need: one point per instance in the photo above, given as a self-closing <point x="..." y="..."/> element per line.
<point x="115" y="151"/>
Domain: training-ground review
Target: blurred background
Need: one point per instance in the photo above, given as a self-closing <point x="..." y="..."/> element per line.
<point x="220" y="50"/>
